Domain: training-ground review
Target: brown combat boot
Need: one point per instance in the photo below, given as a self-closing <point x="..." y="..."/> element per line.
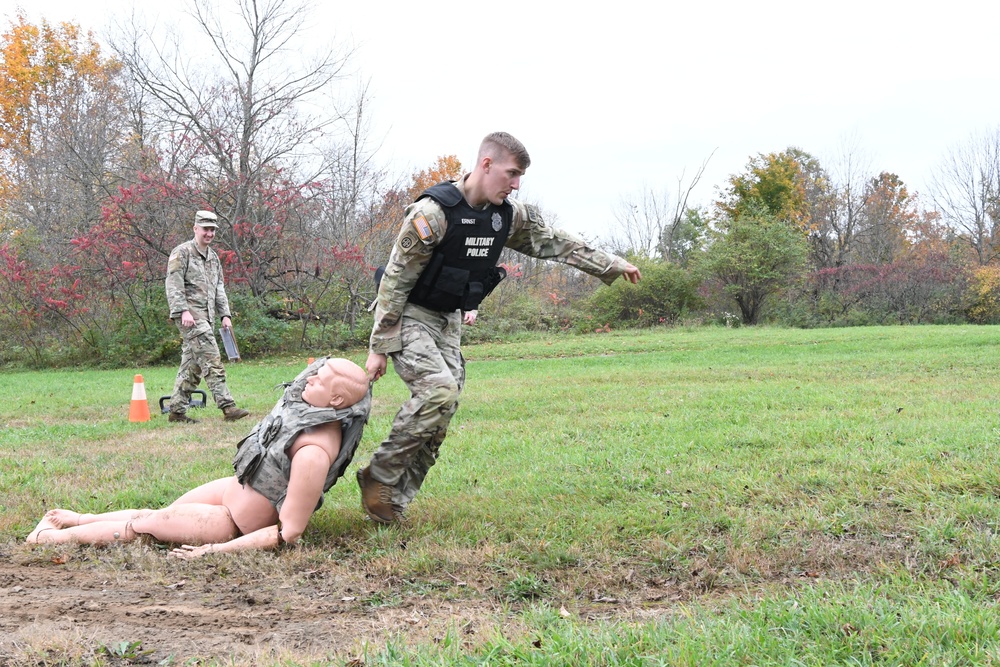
<point x="180" y="417"/>
<point x="233" y="413"/>
<point x="376" y="499"/>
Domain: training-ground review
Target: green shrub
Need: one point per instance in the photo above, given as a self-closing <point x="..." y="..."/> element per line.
<point x="501" y="320"/>
<point x="257" y="333"/>
<point x="664" y="295"/>
<point x="326" y="337"/>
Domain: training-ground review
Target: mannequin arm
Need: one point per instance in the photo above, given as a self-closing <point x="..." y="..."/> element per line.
<point x="265" y="538"/>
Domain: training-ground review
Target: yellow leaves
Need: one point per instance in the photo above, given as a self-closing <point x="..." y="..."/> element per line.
<point x="984" y="295"/>
<point x="17" y="79"/>
<point x="44" y="70"/>
<point x="50" y="77"/>
<point x="888" y="198"/>
<point x="778" y="181"/>
<point x="447" y="168"/>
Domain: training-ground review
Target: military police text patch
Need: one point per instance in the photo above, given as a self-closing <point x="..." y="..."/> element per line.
<point x="422" y="227"/>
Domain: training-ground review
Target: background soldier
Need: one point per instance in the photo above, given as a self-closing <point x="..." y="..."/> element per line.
<point x="443" y="264"/>
<point x="196" y="294"/>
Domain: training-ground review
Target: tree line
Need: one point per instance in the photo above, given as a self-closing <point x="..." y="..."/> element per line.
<point x="792" y="241"/>
<point x="104" y="157"/>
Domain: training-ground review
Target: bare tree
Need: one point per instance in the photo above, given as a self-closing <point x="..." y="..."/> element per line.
<point x="355" y="181"/>
<point x="966" y="191"/>
<point x="641" y="220"/>
<point x="243" y="112"/>
<point x="838" y="208"/>
<point x="650" y="226"/>
<point x="352" y="192"/>
<point x="60" y="129"/>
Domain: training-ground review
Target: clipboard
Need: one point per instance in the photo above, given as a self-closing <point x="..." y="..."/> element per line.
<point x="228" y="342"/>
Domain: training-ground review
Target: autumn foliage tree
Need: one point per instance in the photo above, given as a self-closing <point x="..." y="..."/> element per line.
<point x="983" y="297"/>
<point x="775" y="183"/>
<point x="910" y="269"/>
<point x="387" y="219"/>
<point x="62" y="137"/>
<point x="100" y="174"/>
<point x="246" y="122"/>
<point x="105" y="158"/>
<point x="794" y="186"/>
<point x="61" y="128"/>
<point x="889" y="220"/>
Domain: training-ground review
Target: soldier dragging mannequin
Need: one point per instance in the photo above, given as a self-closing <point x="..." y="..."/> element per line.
<point x="442" y="265"/>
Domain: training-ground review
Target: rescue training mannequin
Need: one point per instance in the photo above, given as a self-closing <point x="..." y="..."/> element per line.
<point x="293" y="456"/>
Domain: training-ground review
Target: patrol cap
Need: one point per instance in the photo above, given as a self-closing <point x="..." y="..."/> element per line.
<point x="206" y="219"/>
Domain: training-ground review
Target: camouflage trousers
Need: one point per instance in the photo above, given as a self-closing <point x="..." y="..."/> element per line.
<point x="199" y="359"/>
<point x="432" y="366"/>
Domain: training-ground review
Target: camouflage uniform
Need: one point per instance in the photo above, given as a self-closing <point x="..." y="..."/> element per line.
<point x="194" y="282"/>
<point x="424" y="345"/>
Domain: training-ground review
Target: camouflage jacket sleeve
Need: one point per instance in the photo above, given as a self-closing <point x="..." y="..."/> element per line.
<point x="531" y="235"/>
<point x="423" y="228"/>
<point x="176" y="270"/>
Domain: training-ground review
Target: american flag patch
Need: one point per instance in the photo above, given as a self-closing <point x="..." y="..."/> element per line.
<point x="422" y="227"/>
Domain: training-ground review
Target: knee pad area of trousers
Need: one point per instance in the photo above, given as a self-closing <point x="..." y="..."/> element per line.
<point x="443" y="396"/>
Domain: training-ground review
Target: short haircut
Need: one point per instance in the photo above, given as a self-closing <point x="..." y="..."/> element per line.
<point x="498" y="144"/>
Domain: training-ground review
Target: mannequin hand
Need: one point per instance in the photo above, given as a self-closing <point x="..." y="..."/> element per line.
<point x="188" y="552"/>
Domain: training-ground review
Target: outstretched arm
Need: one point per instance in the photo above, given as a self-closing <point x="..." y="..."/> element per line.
<point x="532" y="236"/>
<point x="265" y="538"/>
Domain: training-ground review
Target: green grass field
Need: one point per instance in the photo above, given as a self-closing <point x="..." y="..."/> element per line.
<point x="778" y="497"/>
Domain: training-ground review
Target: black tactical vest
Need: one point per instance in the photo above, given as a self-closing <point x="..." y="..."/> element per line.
<point x="463" y="268"/>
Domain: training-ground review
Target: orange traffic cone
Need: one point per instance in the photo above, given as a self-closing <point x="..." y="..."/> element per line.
<point x="139" y="410"/>
<point x="311" y="359"/>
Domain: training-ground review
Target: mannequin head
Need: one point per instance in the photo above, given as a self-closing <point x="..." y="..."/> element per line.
<point x="339" y="383"/>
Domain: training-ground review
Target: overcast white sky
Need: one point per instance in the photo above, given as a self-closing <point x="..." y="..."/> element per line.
<point x="611" y="98"/>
